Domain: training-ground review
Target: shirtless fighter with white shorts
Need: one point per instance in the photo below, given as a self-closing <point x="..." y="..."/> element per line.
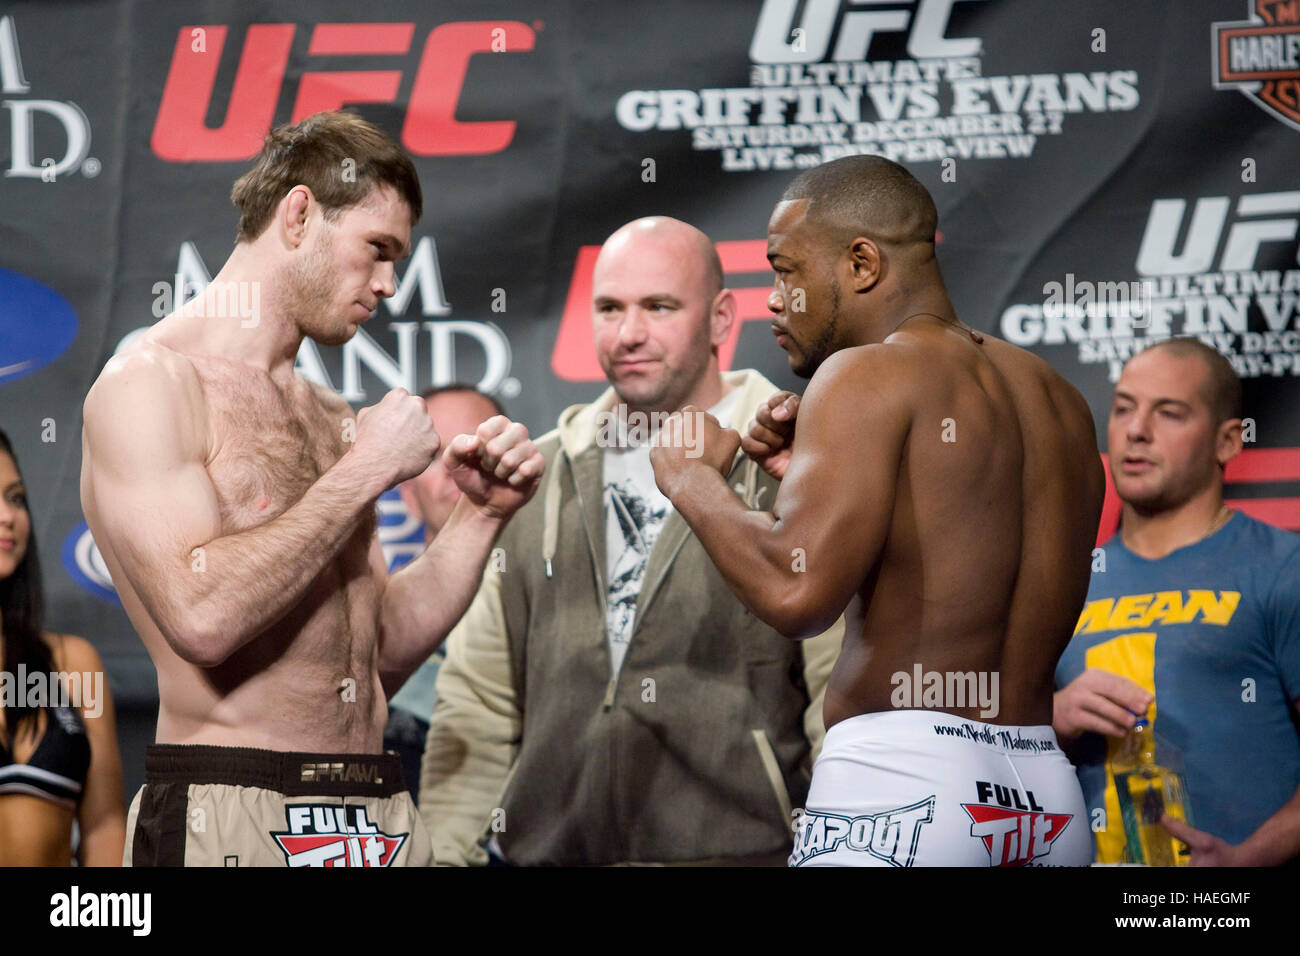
<point x="941" y="489"/>
<point x="234" y="504"/>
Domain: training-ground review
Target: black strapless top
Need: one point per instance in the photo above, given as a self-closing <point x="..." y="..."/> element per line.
<point x="57" y="769"/>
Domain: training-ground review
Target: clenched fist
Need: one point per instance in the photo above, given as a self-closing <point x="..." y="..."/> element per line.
<point x="688" y="439"/>
<point x="396" y="438"/>
<point x="772" y="433"/>
<point x="497" y="468"/>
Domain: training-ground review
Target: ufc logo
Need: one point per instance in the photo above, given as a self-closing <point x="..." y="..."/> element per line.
<point x="180" y="133"/>
<point x="778" y="38"/>
<point x="1157" y="255"/>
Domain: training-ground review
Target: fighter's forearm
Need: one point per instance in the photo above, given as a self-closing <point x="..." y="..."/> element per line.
<point x="753" y="552"/>
<point x="424" y="600"/>
<point x="239" y="585"/>
<point x="1277" y="840"/>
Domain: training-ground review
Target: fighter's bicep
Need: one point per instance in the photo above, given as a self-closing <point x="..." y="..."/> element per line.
<point x="152" y="496"/>
<point x="837" y="498"/>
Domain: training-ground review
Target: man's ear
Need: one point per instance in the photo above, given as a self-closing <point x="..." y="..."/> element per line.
<point x="1227" y="441"/>
<point x="294" y="211"/>
<point x="723" y="317"/>
<point x="867" y="264"/>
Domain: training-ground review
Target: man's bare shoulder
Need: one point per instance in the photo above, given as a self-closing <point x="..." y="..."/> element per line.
<point x="880" y="377"/>
<point x="148" y="365"/>
<point x="880" y="366"/>
<point x="146" y="384"/>
<point x="1028" y="367"/>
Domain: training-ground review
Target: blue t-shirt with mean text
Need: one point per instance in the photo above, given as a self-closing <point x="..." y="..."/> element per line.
<point x="1213" y="631"/>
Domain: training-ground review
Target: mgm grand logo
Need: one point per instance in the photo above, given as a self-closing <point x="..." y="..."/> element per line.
<point x="1260" y="57"/>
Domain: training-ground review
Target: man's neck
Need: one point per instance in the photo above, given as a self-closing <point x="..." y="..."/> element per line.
<point x="1154" y="535"/>
<point x="934" y="304"/>
<point x="257" y="333"/>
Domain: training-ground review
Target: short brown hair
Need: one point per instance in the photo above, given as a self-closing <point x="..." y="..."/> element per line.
<point x="316" y="153"/>
<point x="1223" y="388"/>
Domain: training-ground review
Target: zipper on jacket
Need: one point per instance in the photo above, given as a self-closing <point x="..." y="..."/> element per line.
<point x="591" y="550"/>
<point x="610" y="688"/>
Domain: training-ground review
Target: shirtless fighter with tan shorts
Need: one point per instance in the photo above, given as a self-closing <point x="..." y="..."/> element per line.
<point x="234" y="504"/>
<point x="941" y="489"/>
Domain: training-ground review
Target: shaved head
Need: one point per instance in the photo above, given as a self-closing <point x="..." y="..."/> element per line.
<point x="660" y="314"/>
<point x="1221" y="388"/>
<point x="693" y="244"/>
<point x="866" y="196"/>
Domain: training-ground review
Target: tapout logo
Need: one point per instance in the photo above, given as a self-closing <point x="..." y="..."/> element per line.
<point x="181" y="133"/>
<point x="24" y="163"/>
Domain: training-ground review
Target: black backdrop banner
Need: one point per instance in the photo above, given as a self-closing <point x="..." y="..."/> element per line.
<point x="1107" y="174"/>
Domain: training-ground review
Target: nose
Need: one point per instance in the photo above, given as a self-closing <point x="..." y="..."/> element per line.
<point x="633" y="329"/>
<point x="1138" y="428"/>
<point x="776" y="301"/>
<point x="384" y="283"/>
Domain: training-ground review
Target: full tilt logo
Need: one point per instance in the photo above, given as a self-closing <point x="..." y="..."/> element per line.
<point x="181" y="133"/>
<point x="332" y="835"/>
<point x="1014" y="828"/>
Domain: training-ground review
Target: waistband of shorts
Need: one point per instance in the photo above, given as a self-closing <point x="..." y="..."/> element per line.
<point x="939" y="726"/>
<point x="292" y="773"/>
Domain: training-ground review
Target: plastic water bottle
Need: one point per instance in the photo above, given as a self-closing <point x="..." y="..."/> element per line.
<point x="1146" y="791"/>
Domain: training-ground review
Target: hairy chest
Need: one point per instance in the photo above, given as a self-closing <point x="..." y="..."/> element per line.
<point x="270" y="445"/>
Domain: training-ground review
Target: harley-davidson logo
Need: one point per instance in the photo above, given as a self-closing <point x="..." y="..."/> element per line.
<point x="1260" y="57"/>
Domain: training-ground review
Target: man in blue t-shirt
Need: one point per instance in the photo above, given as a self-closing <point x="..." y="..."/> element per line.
<point x="1193" y="620"/>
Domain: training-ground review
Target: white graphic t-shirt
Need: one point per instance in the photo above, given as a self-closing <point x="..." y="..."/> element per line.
<point x="635" y="510"/>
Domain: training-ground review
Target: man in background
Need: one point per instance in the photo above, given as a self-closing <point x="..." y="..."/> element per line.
<point x="1192" y="620"/>
<point x="606" y="699"/>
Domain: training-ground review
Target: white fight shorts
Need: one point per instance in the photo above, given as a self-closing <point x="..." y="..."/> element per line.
<point x="925" y="788"/>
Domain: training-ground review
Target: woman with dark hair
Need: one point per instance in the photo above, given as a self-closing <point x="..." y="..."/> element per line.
<point x="59" y="760"/>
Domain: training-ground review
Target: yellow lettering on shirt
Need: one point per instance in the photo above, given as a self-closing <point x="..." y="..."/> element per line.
<point x="1095" y="615"/>
<point x="1128" y="611"/>
<point x="1165" y="607"/>
<point x="1214" y="610"/>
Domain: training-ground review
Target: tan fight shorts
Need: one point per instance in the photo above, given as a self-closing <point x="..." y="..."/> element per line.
<point x="236" y="806"/>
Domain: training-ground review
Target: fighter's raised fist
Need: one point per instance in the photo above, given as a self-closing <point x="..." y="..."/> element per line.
<point x="396" y="437"/>
<point x="497" y="468"/>
<point x="771" y="434"/>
